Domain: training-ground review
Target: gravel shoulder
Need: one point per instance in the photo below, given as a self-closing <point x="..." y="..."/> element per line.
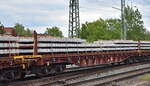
<point x="142" y="80"/>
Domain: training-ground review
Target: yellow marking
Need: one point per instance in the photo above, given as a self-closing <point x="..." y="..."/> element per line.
<point x="23" y="58"/>
<point x="27" y="57"/>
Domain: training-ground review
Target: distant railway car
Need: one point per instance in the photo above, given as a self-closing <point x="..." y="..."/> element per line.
<point x="45" y="55"/>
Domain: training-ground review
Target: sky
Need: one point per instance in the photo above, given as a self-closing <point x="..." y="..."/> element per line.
<point x="40" y="14"/>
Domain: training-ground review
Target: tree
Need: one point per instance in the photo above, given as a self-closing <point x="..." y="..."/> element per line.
<point x="54" y="31"/>
<point x="134" y="24"/>
<point x="110" y="29"/>
<point x="29" y="32"/>
<point x="101" y="30"/>
<point x="113" y="26"/>
<point x="1" y="28"/>
<point x="21" y="31"/>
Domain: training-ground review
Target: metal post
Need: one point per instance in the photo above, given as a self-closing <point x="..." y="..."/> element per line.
<point x="74" y="19"/>
<point x="123" y="30"/>
<point x="35" y="49"/>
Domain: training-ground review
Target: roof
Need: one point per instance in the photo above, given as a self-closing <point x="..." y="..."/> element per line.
<point x="9" y="29"/>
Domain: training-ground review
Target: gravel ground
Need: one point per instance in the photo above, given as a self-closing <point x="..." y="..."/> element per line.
<point x="134" y="81"/>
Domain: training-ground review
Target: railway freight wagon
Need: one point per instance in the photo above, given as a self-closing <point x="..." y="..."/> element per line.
<point x="20" y="56"/>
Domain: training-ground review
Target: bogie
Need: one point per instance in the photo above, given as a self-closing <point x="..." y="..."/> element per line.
<point x="12" y="74"/>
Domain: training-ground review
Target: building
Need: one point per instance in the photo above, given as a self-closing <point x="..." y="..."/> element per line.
<point x="9" y="31"/>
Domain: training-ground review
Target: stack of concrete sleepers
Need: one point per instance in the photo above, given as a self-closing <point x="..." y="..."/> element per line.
<point x="8" y="46"/>
<point x="26" y="45"/>
<point x="144" y="45"/>
<point x="68" y="45"/>
<point x="46" y="45"/>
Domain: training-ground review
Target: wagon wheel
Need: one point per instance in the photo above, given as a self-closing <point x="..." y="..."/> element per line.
<point x="22" y="75"/>
<point x="52" y="69"/>
<point x="42" y="71"/>
<point x="19" y="74"/>
<point x="45" y="70"/>
<point x="55" y="69"/>
<point x="9" y="75"/>
<point x="59" y="68"/>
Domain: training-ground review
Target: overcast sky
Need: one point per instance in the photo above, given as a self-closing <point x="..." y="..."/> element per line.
<point x="39" y="14"/>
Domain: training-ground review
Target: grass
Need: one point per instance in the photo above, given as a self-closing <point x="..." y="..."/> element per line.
<point x="145" y="77"/>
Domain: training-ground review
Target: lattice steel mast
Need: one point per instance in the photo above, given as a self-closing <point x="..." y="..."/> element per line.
<point x="74" y="19"/>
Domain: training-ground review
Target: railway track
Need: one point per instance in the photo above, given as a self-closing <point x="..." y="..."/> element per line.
<point x="107" y="81"/>
<point x="67" y="72"/>
<point x="88" y="77"/>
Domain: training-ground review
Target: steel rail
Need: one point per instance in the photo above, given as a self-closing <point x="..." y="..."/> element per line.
<point x="88" y="78"/>
<point x="78" y="77"/>
<point x="67" y="72"/>
<point x="101" y="81"/>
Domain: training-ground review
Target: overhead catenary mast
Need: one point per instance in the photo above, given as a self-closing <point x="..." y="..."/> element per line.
<point x="74" y="19"/>
<point x="123" y="26"/>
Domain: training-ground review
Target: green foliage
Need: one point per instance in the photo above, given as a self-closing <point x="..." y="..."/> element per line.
<point x="1" y="28"/>
<point x="2" y="31"/>
<point x="21" y="31"/>
<point x="135" y="24"/>
<point x="28" y="32"/>
<point x="110" y="29"/>
<point x="1" y="25"/>
<point x="54" y="31"/>
<point x="101" y="30"/>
